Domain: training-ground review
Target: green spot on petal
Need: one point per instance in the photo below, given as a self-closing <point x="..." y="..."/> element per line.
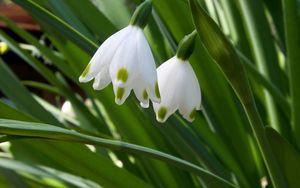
<point x="157" y="93"/>
<point x="86" y="70"/>
<point x="162" y="112"/>
<point x="145" y="94"/>
<point x="122" y="74"/>
<point x="193" y="114"/>
<point x="120" y="93"/>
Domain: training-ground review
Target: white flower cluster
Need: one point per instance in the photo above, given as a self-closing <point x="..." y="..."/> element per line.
<point x="125" y="59"/>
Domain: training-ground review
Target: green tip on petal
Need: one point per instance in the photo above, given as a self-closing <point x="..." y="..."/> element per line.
<point x="86" y="70"/>
<point x="120" y="93"/>
<point x="145" y="94"/>
<point x="193" y="114"/>
<point x="186" y="46"/>
<point x="122" y="74"/>
<point x="162" y="112"/>
<point x="157" y="93"/>
<point x="141" y="14"/>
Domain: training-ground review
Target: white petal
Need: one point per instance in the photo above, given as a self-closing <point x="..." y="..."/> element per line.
<point x="141" y="93"/>
<point x="102" y="80"/>
<point x="121" y="94"/>
<point x="170" y="84"/>
<point x="153" y="92"/>
<point x="105" y="53"/>
<point x="191" y="98"/>
<point x="147" y="66"/>
<point x="125" y="59"/>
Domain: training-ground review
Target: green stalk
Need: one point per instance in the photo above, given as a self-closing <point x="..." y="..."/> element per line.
<point x="292" y="35"/>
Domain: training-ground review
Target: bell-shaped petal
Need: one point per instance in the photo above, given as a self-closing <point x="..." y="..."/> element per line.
<point x="124" y="65"/>
<point x="125" y="59"/>
<point x="121" y="94"/>
<point x="102" y="79"/>
<point x="179" y="89"/>
<point x="141" y="93"/>
<point x="147" y="68"/>
<point x="104" y="55"/>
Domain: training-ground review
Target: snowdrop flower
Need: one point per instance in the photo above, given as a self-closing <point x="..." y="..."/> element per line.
<point x="178" y="84"/>
<point x="125" y="59"/>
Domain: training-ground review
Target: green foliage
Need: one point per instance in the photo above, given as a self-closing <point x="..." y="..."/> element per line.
<point x="241" y="58"/>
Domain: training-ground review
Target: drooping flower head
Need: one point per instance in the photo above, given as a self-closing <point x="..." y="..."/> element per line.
<point x="125" y="59"/>
<point x="178" y="84"/>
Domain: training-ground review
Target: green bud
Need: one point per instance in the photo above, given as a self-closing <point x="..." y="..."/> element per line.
<point x="141" y="14"/>
<point x="186" y="46"/>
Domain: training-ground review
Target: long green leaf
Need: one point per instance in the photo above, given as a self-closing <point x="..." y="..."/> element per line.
<point x="57" y="23"/>
<point x="62" y="9"/>
<point x="13" y="89"/>
<point x="51" y="132"/>
<point x="81" y="7"/>
<point x="260" y="38"/>
<point x="8" y="112"/>
<point x="287" y="157"/>
<point x="260" y="79"/>
<point x="109" y="9"/>
<point x="43" y="172"/>
<point x="75" y="159"/>
<point x="292" y="30"/>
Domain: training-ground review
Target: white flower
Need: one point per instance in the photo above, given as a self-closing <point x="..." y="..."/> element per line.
<point x="179" y="89"/>
<point x="125" y="59"/>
